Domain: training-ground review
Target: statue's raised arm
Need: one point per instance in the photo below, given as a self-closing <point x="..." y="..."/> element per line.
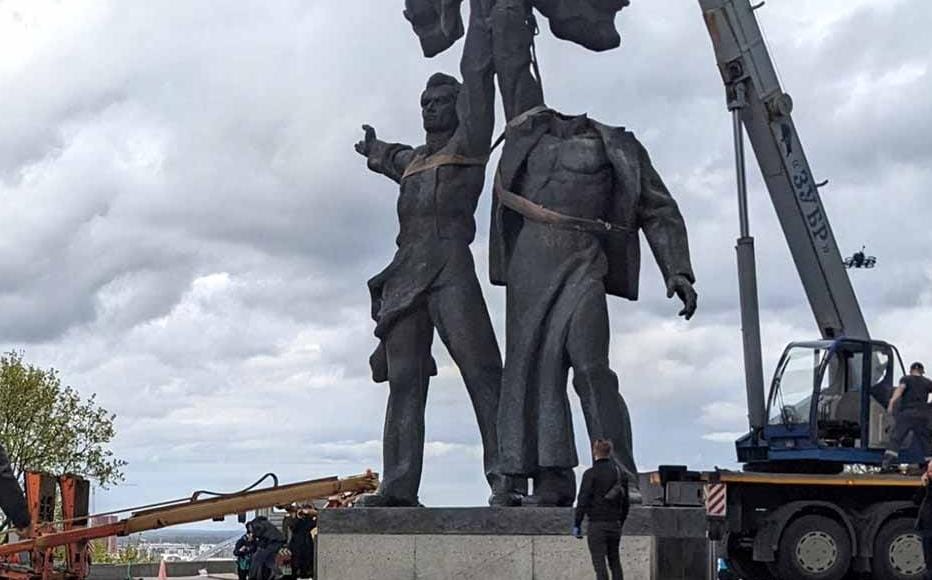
<point x="512" y="39"/>
<point x="476" y="103"/>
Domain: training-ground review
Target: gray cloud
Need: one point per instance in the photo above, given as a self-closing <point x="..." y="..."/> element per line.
<point x="187" y="231"/>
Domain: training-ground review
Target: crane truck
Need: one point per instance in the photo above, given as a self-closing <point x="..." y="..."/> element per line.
<point x="810" y="502"/>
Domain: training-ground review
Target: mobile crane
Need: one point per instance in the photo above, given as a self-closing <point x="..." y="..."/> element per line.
<point x="809" y="503"/>
<point x="70" y="537"/>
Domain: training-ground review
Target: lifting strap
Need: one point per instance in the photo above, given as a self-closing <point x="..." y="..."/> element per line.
<point x="422" y="164"/>
<point x="540" y="214"/>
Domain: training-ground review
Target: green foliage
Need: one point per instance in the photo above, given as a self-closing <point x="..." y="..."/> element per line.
<point x="126" y="554"/>
<point x="48" y="427"/>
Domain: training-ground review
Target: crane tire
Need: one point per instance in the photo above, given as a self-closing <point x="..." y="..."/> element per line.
<point x="814" y="547"/>
<point x="898" y="552"/>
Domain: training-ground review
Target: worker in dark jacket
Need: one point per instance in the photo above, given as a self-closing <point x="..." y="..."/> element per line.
<point x="924" y="521"/>
<point x="301" y="544"/>
<point x="603" y="498"/>
<point x="269" y="540"/>
<point x="910" y="403"/>
<point x="12" y="500"/>
<point x="243" y="550"/>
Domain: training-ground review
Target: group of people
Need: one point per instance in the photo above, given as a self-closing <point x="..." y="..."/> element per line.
<point x="257" y="551"/>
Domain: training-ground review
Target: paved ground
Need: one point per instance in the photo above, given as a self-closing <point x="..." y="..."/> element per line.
<point x="208" y="577"/>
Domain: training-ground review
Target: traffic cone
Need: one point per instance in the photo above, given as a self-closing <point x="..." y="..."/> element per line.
<point x="163" y="573"/>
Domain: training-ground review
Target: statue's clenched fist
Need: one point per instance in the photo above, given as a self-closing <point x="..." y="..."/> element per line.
<point x="683" y="288"/>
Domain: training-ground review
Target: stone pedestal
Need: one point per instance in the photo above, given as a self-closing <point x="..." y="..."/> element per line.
<point x="500" y="544"/>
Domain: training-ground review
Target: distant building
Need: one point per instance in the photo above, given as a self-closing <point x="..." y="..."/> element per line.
<point x="111" y="542"/>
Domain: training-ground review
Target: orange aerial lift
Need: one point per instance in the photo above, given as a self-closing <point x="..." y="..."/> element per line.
<point x="70" y="536"/>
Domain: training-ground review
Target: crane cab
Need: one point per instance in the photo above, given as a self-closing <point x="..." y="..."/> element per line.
<point x="827" y="408"/>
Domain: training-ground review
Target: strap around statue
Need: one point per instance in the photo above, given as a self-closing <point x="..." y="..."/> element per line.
<point x="540" y="214"/>
<point x="422" y="164"/>
<point x="517" y="121"/>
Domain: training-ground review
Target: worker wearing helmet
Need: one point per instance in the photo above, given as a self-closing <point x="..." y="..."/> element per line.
<point x="910" y="405"/>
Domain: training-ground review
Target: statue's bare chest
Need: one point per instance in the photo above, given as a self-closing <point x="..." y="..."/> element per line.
<point x="568" y="173"/>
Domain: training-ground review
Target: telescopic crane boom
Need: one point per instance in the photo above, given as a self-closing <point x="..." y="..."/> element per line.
<point x="766" y="112"/>
<point x="827" y="402"/>
<point x="761" y="107"/>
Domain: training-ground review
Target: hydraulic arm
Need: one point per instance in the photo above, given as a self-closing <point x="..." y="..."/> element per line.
<point x="759" y="103"/>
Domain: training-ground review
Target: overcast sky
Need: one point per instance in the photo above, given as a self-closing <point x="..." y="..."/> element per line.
<point x="186" y="231"/>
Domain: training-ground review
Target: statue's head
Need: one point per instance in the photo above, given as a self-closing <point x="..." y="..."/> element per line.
<point x="590" y="23"/>
<point x="438" y="103"/>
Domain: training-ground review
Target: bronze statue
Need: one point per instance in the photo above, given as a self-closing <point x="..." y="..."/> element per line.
<point x="431" y="282"/>
<point x="571" y="196"/>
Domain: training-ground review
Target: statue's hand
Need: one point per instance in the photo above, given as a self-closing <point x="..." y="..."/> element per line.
<point x="682" y="287"/>
<point x="364" y="147"/>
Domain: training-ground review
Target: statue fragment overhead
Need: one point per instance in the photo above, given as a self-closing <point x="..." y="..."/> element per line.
<point x="589" y="23"/>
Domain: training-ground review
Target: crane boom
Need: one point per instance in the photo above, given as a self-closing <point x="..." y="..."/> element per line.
<point x="194" y="510"/>
<point x="766" y="113"/>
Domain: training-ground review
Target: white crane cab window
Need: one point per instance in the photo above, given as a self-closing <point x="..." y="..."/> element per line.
<point x="794" y="385"/>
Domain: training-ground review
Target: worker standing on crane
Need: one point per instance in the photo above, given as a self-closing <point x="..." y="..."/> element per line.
<point x="912" y="394"/>
<point x="12" y="500"/>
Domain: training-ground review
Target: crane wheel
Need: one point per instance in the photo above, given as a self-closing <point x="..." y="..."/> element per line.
<point x="898" y="552"/>
<point x="814" y="547"/>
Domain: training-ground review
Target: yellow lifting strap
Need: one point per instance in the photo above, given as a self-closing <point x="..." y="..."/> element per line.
<point x="538" y="213"/>
<point x="422" y="164"/>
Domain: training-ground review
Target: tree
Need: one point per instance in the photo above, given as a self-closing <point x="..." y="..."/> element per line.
<point x="126" y="555"/>
<point x="48" y="427"/>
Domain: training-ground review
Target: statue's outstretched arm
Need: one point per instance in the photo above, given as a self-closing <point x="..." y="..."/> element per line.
<point x="389" y="159"/>
<point x="512" y="39"/>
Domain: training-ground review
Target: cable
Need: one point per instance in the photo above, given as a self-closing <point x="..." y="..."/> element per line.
<point x="535" y="31"/>
<point x="171" y="502"/>
<point x="274" y="477"/>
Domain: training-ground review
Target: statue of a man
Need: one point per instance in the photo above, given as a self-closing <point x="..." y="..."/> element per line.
<point x="571" y="196"/>
<point x="431" y="283"/>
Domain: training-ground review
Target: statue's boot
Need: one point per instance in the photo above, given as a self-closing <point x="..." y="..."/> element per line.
<point x="507" y="491"/>
<point x="553" y="487"/>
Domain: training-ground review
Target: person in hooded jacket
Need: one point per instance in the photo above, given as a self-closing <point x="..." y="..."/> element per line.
<point x="243" y="550"/>
<point x="269" y="540"/>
